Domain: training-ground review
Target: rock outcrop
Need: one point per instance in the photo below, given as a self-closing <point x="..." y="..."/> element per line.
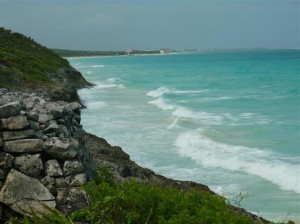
<point x="43" y="159"/>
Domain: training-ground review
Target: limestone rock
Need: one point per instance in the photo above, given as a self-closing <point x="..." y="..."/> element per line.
<point x="48" y="181"/>
<point x="31" y="165"/>
<point x="14" y="123"/>
<point x="52" y="127"/>
<point x="43" y="118"/>
<point x="73" y="106"/>
<point x="72" y="167"/>
<point x="6" y="160"/>
<point x="62" y="182"/>
<point x="52" y="168"/>
<point x="33" y="115"/>
<point x="61" y="148"/>
<point x="10" y="109"/>
<point x="56" y="111"/>
<point x="34" y="125"/>
<point x="21" y="193"/>
<point x="23" y="145"/>
<point x="78" y="180"/>
<point x="71" y="199"/>
<point x="14" y="135"/>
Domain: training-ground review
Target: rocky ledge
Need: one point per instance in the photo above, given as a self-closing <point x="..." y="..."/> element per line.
<point x="45" y="156"/>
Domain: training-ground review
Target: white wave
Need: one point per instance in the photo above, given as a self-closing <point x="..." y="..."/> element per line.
<point x="165" y="90"/>
<point x="161" y="104"/>
<point x="96" y="105"/>
<point x="113" y="80"/>
<point x="159" y="92"/>
<point x="102" y="85"/>
<point x="88" y="72"/>
<point x="212" y="99"/>
<point x="174" y="124"/>
<point x="97" y="66"/>
<point x="89" y="66"/>
<point x="247" y="115"/>
<point x="239" y="158"/>
<point x="188" y="91"/>
<point x="203" y="117"/>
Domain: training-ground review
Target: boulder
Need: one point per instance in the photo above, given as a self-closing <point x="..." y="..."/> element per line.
<point x="34" y="125"/>
<point x="78" y="180"/>
<point x="10" y="109"/>
<point x="23" y="146"/>
<point x="14" y="123"/>
<point x="1" y="142"/>
<point x="48" y="181"/>
<point x="62" y="182"/>
<point x="33" y="115"/>
<point x="23" y="193"/>
<point x="73" y="106"/>
<point x="52" y="168"/>
<point x="71" y="199"/>
<point x="52" y="126"/>
<point x="72" y="167"/>
<point x="43" y="118"/>
<point x="14" y="135"/>
<point x="56" y="111"/>
<point x="6" y="160"/>
<point x="61" y="148"/>
<point x="31" y="165"/>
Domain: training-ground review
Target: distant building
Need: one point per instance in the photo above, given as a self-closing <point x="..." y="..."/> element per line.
<point x="129" y="51"/>
<point x="164" y="51"/>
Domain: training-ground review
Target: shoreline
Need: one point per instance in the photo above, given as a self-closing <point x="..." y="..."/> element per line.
<point x="187" y="52"/>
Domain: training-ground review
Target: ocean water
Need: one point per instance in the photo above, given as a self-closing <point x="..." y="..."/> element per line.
<point x="227" y="119"/>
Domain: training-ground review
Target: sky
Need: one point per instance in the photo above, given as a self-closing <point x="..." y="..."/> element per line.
<point x="155" y="24"/>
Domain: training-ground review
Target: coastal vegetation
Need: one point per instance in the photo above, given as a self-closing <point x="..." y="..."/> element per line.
<point x="132" y="202"/>
<point x="27" y="65"/>
<point x="22" y="60"/>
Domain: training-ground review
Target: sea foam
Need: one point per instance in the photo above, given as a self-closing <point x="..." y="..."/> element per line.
<point x="253" y="161"/>
<point x="165" y="90"/>
<point x="161" y="103"/>
<point x="199" y="116"/>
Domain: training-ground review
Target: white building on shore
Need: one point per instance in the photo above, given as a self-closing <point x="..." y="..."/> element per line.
<point x="164" y="51"/>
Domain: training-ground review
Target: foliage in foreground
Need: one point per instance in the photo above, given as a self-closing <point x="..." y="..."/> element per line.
<point x="133" y="202"/>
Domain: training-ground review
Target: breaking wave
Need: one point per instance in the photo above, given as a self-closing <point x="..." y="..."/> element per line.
<point x="253" y="161"/>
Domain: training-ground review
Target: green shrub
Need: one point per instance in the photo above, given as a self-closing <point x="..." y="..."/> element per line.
<point x="133" y="202"/>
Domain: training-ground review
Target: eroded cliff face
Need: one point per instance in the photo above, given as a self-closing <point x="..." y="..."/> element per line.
<point x="42" y="155"/>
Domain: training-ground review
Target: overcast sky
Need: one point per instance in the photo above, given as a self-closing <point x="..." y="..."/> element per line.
<point x="154" y="24"/>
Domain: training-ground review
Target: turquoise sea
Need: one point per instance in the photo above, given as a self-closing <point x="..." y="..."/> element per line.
<point x="227" y="119"/>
